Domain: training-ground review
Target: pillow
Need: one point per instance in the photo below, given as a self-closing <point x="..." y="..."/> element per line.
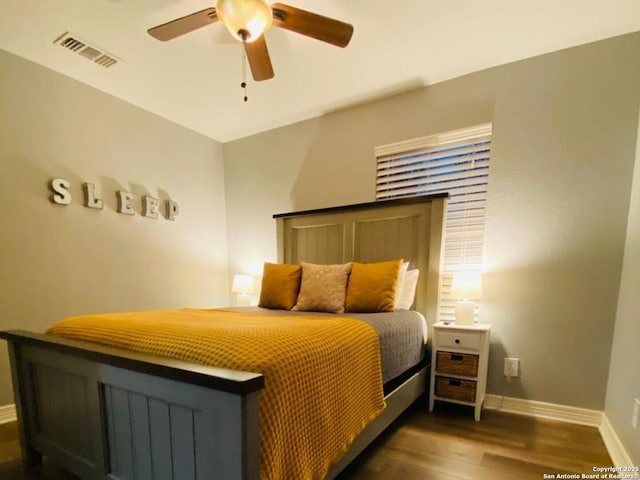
<point x="373" y="286"/>
<point x="403" y="270"/>
<point x="280" y="285"/>
<point x="408" y="291"/>
<point x="323" y="287"/>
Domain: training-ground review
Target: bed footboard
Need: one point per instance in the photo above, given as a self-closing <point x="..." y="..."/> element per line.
<point x="106" y="413"/>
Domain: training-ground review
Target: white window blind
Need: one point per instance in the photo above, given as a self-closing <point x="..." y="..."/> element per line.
<point x="457" y="163"/>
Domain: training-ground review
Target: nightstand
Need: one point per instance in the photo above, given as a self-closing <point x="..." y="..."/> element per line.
<point x="459" y="358"/>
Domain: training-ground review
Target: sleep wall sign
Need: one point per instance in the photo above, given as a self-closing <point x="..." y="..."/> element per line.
<point x="61" y="195"/>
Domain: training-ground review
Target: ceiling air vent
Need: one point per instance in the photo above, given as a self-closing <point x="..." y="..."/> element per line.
<point x="98" y="56"/>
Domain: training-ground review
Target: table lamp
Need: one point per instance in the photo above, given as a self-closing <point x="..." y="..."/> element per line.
<point x="243" y="286"/>
<point x="466" y="287"/>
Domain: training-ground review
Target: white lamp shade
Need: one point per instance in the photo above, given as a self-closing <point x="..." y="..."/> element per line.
<point x="466" y="286"/>
<point x="242" y="284"/>
<point x="252" y="17"/>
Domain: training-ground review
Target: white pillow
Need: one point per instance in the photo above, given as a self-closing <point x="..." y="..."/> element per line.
<point x="408" y="290"/>
<point x="400" y="282"/>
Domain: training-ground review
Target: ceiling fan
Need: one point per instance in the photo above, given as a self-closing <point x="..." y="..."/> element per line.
<point x="247" y="20"/>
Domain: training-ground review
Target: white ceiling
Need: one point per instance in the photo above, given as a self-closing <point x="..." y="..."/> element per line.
<point x="398" y="45"/>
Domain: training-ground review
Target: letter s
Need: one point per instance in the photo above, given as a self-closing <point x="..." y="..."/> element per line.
<point x="61" y="194"/>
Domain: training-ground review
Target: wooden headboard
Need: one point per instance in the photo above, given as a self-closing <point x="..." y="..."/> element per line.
<point x="408" y="228"/>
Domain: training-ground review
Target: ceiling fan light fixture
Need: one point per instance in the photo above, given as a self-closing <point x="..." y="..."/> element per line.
<point x="246" y="20"/>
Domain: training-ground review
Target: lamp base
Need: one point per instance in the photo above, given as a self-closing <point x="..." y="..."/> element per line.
<point x="244" y="300"/>
<point x="464" y="312"/>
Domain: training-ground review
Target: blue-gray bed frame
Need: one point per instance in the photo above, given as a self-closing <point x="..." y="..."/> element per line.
<point x="110" y="414"/>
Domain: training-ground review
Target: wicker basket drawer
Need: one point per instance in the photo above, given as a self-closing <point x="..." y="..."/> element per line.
<point x="454" y="389"/>
<point x="457" y="364"/>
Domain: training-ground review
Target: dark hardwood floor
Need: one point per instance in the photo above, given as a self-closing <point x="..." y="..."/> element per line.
<point x="447" y="444"/>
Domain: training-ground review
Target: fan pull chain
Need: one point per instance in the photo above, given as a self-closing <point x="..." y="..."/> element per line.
<point x="243" y="85"/>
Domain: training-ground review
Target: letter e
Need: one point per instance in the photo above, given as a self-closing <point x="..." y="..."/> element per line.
<point x="125" y="203"/>
<point x="150" y="205"/>
<point x="172" y="210"/>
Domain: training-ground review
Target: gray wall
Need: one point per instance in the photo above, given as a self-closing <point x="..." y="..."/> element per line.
<point x="624" y="374"/>
<point x="59" y="261"/>
<point x="565" y="127"/>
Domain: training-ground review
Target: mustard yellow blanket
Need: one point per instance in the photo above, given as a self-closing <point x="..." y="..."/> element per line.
<point x="323" y="380"/>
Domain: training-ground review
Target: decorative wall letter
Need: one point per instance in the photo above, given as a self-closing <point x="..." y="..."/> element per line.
<point x="125" y="203"/>
<point x="150" y="206"/>
<point x="90" y="197"/>
<point x="61" y="194"/>
<point x="172" y="210"/>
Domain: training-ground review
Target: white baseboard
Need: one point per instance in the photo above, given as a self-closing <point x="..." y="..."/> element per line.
<point x="8" y="414"/>
<point x="582" y="416"/>
<point x="564" y="413"/>
<point x="616" y="449"/>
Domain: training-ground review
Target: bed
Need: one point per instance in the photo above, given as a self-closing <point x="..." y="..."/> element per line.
<point x="109" y="413"/>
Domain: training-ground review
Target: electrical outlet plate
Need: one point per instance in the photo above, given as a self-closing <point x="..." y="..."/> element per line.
<point x="636" y="413"/>
<point x="511" y="367"/>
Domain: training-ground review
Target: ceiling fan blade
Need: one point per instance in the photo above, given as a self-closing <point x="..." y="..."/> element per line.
<point x="259" y="60"/>
<point x="182" y="25"/>
<point x="312" y="25"/>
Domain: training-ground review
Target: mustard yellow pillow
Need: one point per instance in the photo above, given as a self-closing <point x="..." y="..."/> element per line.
<point x="373" y="286"/>
<point x="323" y="287"/>
<point x="280" y="285"/>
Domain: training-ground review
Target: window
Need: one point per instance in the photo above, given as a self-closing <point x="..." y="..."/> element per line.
<point x="456" y="162"/>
